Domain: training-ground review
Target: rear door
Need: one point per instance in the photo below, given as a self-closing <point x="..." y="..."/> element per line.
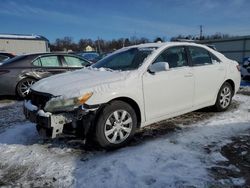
<point x="209" y="75"/>
<point x="48" y="65"/>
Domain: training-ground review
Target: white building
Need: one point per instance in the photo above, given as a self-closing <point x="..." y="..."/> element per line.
<point x="23" y="44"/>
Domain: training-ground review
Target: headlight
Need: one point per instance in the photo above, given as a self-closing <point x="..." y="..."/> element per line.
<point x="61" y="104"/>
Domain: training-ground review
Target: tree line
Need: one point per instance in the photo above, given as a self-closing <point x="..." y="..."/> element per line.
<point x="100" y="45"/>
<point x="103" y="46"/>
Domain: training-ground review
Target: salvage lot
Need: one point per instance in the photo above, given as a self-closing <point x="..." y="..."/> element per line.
<point x="199" y="149"/>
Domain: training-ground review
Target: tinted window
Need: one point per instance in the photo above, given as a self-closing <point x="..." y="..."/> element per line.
<point x="90" y="56"/>
<point x="199" y="56"/>
<point x="50" y="61"/>
<point x="176" y="57"/>
<point x="37" y="62"/>
<point x="74" y="61"/>
<point x="3" y="58"/>
<point x="125" y="60"/>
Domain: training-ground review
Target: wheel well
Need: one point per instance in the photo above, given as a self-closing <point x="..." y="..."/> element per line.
<point x="232" y="84"/>
<point x="134" y="105"/>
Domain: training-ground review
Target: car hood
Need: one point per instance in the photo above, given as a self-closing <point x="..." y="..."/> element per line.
<point x="76" y="83"/>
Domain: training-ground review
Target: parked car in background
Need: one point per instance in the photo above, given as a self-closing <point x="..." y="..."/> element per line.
<point x="132" y="88"/>
<point x="101" y="56"/>
<point x="5" y="56"/>
<point x="19" y="73"/>
<point x="89" y="55"/>
<point x="245" y="69"/>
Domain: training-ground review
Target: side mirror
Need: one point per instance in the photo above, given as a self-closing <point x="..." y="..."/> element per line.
<point x="158" y="67"/>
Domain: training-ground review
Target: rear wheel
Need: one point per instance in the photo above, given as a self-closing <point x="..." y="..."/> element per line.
<point x="23" y="87"/>
<point x="224" y="97"/>
<point x="116" y="125"/>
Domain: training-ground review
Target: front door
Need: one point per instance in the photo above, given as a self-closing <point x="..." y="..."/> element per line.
<point x="169" y="91"/>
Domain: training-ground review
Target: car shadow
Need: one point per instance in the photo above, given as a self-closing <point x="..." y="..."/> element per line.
<point x="8" y="97"/>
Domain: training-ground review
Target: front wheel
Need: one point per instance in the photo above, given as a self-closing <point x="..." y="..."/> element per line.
<point x="116" y="125"/>
<point x="224" y="97"/>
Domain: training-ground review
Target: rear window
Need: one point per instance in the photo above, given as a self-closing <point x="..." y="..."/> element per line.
<point x="16" y="58"/>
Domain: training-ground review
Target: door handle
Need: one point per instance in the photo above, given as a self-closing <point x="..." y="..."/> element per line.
<point x="188" y="75"/>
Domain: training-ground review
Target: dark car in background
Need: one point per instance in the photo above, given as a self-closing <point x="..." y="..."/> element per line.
<point x="245" y="69"/>
<point x="5" y="56"/>
<point x="91" y="56"/>
<point x="19" y="73"/>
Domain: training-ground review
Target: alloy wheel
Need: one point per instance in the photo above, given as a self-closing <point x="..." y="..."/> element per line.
<point x="24" y="87"/>
<point x="225" y="97"/>
<point x="118" y="126"/>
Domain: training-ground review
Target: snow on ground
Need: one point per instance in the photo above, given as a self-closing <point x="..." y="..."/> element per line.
<point x="6" y="103"/>
<point x="179" y="158"/>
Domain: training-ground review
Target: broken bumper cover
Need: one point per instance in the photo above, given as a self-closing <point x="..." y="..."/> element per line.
<point x="54" y="123"/>
<point x="46" y="120"/>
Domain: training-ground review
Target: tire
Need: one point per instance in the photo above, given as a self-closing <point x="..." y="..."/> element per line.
<point x="116" y="125"/>
<point x="224" y="97"/>
<point x="23" y="87"/>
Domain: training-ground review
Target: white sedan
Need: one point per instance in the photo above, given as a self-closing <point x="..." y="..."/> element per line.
<point x="132" y="88"/>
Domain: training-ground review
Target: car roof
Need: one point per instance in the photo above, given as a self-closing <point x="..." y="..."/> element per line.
<point x="35" y="55"/>
<point x="51" y="53"/>
<point x="158" y="45"/>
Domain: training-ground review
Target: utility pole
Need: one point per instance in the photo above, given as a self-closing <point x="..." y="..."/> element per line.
<point x="99" y="47"/>
<point x="201" y="31"/>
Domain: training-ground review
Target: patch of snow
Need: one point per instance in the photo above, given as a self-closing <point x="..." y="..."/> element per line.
<point x="234" y="181"/>
<point x="243" y="152"/>
<point x="19" y="36"/>
<point x="6" y="103"/>
<point x="44" y="114"/>
<point x="19" y="146"/>
<point x="30" y="106"/>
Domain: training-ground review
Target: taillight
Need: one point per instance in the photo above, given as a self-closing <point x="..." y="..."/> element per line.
<point x="238" y="67"/>
<point x="3" y="72"/>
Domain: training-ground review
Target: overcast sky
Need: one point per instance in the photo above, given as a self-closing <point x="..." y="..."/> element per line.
<point x="110" y="19"/>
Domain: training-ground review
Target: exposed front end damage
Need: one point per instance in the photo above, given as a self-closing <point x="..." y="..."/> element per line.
<point x="52" y="124"/>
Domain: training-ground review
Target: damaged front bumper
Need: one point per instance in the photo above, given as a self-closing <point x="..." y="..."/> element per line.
<point x="52" y="125"/>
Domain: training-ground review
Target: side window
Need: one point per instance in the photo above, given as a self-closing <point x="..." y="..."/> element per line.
<point x="175" y="56"/>
<point x="214" y="58"/>
<point x="3" y="58"/>
<point x="74" y="61"/>
<point x="199" y="56"/>
<point x="50" y="61"/>
<point x="37" y="62"/>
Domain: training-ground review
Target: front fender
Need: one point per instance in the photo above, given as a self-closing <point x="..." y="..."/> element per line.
<point x="136" y="96"/>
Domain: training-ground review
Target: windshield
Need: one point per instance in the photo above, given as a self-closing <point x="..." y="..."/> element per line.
<point x="126" y="60"/>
